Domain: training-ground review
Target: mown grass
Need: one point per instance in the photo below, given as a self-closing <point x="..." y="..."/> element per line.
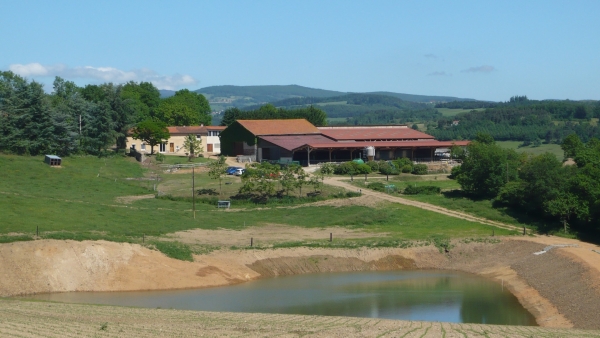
<point x="78" y="201"/>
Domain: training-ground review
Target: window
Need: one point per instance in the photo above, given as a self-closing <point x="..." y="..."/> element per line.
<point x="143" y="146"/>
<point x="213" y="133"/>
<point x="163" y="147"/>
<point x="198" y="136"/>
<point x="133" y="146"/>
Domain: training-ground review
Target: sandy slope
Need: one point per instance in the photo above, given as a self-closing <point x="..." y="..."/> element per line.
<point x="56" y="266"/>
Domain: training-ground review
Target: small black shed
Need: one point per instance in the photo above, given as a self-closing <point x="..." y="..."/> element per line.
<point x="52" y="160"/>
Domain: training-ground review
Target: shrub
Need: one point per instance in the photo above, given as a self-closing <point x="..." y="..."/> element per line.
<point x="422" y="190"/>
<point x="347" y="168"/>
<point x="363" y="169"/>
<point x="406" y="169"/>
<point x="402" y="162"/>
<point x="419" y="169"/>
<point x="454" y="173"/>
<point x="374" y="165"/>
<point x="387" y="169"/>
<point x="377" y="186"/>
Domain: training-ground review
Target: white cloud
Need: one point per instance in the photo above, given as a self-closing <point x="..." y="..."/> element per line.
<point x="480" y="69"/>
<point x="439" y="74"/>
<point x="105" y="74"/>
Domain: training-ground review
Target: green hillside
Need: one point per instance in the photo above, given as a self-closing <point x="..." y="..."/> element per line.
<point x="422" y="98"/>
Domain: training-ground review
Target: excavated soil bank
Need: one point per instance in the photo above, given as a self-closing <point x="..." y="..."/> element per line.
<point x="554" y="287"/>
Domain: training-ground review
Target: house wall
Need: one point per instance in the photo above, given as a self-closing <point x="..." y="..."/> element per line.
<point x="178" y="149"/>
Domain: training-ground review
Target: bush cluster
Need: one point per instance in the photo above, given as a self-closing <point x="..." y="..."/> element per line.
<point x="422" y="190"/>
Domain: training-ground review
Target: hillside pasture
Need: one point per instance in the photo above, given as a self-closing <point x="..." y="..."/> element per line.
<point x="84" y="200"/>
<point x="448" y="112"/>
<point x="554" y="149"/>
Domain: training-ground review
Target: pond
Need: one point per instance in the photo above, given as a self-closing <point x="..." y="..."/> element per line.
<point x="408" y="295"/>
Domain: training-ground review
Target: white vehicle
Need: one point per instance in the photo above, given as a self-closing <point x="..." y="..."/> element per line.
<point x="239" y="172"/>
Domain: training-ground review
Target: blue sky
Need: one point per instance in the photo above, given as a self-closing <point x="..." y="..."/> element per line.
<point x="476" y="49"/>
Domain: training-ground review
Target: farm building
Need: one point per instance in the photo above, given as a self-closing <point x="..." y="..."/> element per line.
<point x="209" y="135"/>
<point x="298" y="140"/>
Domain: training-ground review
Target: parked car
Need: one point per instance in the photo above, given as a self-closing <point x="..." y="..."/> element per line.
<point x="239" y="172"/>
<point x="231" y="170"/>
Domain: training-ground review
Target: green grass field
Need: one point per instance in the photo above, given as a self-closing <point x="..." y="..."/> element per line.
<point x="452" y="112"/>
<point x="80" y="201"/>
<point x="551" y="148"/>
<point x="451" y="198"/>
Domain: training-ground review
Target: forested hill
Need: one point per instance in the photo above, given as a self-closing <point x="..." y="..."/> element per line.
<point x="524" y="120"/>
<point x="266" y="93"/>
<point x="223" y="97"/>
<point x="422" y="98"/>
<point x="362" y="109"/>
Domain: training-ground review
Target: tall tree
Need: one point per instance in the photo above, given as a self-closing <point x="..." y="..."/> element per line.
<point x="151" y="132"/>
<point x="143" y="98"/>
<point x="184" y="108"/>
<point x="99" y="131"/>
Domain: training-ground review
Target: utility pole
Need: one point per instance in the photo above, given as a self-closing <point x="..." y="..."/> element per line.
<point x="193" y="191"/>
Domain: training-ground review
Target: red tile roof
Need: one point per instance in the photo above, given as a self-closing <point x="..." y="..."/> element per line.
<point x="291" y="142"/>
<point x="193" y="129"/>
<point x="383" y="144"/>
<point x="363" y="133"/>
<point x="279" y="127"/>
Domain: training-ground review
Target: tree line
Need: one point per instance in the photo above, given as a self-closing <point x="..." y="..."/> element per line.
<point x="88" y="119"/>
<point x="314" y="115"/>
<point x="524" y="120"/>
<point x="563" y="196"/>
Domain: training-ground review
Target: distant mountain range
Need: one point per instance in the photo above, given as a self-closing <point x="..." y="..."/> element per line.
<point x="223" y="97"/>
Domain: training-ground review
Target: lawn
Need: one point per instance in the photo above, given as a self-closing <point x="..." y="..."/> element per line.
<point x="79" y="201"/>
<point x="551" y="148"/>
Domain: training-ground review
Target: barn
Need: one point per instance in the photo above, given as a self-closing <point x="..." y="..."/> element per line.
<point x="298" y="140"/>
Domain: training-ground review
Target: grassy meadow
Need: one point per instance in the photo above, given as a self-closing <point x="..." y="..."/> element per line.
<point x="84" y="199"/>
<point x="452" y="198"/>
<point x="551" y="148"/>
<point x="453" y="112"/>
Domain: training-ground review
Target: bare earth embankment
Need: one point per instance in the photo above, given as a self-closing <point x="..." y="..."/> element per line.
<point x="560" y="287"/>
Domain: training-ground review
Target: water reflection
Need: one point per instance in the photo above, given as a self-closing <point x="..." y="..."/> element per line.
<point x="409" y="295"/>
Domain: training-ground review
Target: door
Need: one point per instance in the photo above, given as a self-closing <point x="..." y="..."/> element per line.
<point x="209" y="148"/>
<point x="171" y="147"/>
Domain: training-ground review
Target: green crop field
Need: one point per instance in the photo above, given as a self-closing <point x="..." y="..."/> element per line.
<point x="84" y="199"/>
<point x="452" y="112"/>
<point x="551" y="148"/>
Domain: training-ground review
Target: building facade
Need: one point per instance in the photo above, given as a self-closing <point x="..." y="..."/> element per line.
<point x="209" y="135"/>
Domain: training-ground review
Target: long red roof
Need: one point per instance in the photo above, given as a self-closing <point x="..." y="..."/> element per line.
<point x="374" y="133"/>
<point x="279" y="127"/>
<point x="291" y="142"/>
<point x="385" y="144"/>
